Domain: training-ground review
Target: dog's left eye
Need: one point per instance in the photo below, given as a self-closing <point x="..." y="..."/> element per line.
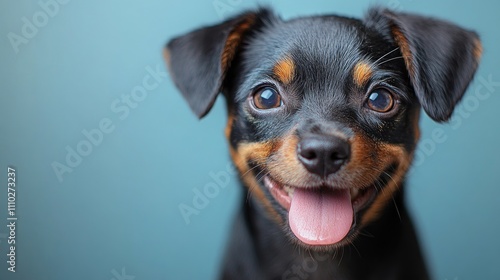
<point x="380" y="100"/>
<point x="267" y="98"/>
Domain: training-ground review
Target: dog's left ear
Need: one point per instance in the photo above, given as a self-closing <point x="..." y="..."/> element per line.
<point x="441" y="58"/>
<point x="198" y="61"/>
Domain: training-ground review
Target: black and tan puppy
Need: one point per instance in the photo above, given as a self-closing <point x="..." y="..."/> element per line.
<point x="323" y="117"/>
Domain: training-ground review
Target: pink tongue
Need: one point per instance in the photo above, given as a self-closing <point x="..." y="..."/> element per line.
<point x="320" y="217"/>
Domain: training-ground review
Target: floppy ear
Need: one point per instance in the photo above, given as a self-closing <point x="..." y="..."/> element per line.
<point x="198" y="61"/>
<point x="441" y="58"/>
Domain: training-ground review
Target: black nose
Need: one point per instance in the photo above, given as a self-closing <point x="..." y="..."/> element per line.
<point x="323" y="155"/>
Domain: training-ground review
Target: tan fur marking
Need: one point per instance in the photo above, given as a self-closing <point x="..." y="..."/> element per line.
<point x="362" y="73"/>
<point x="258" y="153"/>
<point x="284" y="165"/>
<point x="368" y="160"/>
<point x="404" y="47"/>
<point x="233" y="41"/>
<point x="478" y="49"/>
<point x="404" y="159"/>
<point x="363" y="164"/>
<point x="285" y="70"/>
<point x="166" y="58"/>
<point x="416" y="126"/>
<point x="229" y="126"/>
<point x="394" y="154"/>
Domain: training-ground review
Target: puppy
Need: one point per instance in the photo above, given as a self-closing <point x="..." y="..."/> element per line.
<point x="323" y="117"/>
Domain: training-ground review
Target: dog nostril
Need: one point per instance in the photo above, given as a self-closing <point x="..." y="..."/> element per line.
<point x="334" y="156"/>
<point x="338" y="156"/>
<point x="309" y="154"/>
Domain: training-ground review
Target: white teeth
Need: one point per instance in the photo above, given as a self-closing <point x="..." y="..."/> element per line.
<point x="268" y="182"/>
<point x="354" y="193"/>
<point x="271" y="185"/>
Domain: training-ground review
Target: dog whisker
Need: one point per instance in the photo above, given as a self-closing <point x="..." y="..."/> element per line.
<point x="382" y="57"/>
<point x="390" y="59"/>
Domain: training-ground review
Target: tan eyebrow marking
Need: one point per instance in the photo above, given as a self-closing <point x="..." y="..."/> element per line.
<point x="362" y="73"/>
<point x="285" y="70"/>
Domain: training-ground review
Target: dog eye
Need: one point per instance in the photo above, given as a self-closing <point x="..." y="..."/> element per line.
<point x="267" y="98"/>
<point x="380" y="100"/>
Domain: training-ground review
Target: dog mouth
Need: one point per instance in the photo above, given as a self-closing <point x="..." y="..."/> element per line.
<point x="321" y="215"/>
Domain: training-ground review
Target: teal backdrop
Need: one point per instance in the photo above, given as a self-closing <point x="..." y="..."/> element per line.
<point x="106" y="151"/>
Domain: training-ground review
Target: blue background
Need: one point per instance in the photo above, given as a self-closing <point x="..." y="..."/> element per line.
<point x="117" y="212"/>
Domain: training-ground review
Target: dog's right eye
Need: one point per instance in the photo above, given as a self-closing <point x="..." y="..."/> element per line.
<point x="267" y="98"/>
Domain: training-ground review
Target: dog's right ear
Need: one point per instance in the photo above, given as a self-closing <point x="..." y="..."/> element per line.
<point x="441" y="57"/>
<point x="198" y="61"/>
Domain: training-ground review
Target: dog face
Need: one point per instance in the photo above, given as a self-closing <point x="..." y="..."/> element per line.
<point x="323" y="111"/>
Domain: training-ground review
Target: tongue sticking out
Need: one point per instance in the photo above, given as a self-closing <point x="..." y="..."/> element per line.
<point x="320" y="217"/>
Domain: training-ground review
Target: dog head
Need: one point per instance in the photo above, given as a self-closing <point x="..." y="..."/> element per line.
<point x="323" y="111"/>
